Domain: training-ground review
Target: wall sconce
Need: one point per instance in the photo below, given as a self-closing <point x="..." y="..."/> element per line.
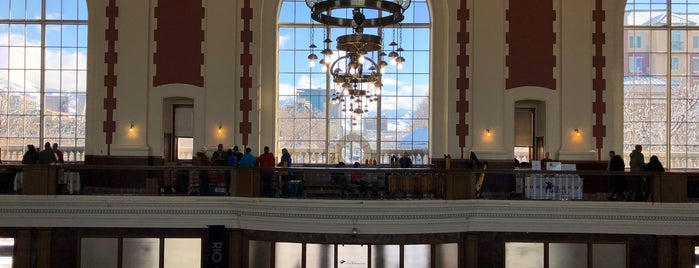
<point x="220" y="128"/>
<point x="487" y="132"/>
<point x="131" y="128"/>
<point x="577" y="132"/>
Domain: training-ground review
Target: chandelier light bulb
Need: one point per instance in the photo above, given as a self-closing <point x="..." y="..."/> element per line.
<point x="399" y="61"/>
<point x="355" y="73"/>
<point x="312" y="60"/>
<point x="323" y="68"/>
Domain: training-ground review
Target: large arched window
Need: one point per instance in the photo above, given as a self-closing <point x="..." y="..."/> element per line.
<point x="315" y="130"/>
<point x="43" y="51"/>
<point x="661" y="80"/>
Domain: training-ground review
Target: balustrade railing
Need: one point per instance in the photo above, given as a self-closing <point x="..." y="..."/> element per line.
<point x="374" y="182"/>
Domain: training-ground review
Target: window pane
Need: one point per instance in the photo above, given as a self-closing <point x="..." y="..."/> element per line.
<point x="319" y="255"/>
<point x="141" y="252"/>
<point x="524" y="255"/>
<point x="182" y="253"/>
<point x="447" y="255"/>
<point x="287" y="255"/>
<point x="608" y="255"/>
<point x="260" y="254"/>
<point x="7" y="246"/>
<point x="416" y="256"/>
<point x="385" y="256"/>
<point x="99" y="252"/>
<point x="352" y="256"/>
<point x="185" y="148"/>
<point x="567" y="255"/>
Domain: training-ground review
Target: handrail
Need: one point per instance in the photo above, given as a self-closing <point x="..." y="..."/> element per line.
<point x="394" y="183"/>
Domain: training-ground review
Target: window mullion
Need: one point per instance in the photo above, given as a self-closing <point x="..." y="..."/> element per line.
<point x="42" y="80"/>
<point x="668" y="90"/>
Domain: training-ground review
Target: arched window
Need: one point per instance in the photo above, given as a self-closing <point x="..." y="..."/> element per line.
<point x="315" y="130"/>
<point x="43" y="58"/>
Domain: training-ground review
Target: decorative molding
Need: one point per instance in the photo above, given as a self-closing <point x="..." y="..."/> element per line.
<point x="531" y="39"/>
<point x="178" y="41"/>
<point x="462" y="82"/>
<point x="338" y="216"/>
<point x="111" y="35"/>
<point x="599" y="107"/>
<point x="246" y="79"/>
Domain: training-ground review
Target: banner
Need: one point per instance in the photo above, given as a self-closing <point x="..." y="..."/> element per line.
<point x="217" y="247"/>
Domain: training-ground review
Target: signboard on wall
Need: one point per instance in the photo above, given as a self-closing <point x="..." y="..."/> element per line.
<point x="217" y="247"/>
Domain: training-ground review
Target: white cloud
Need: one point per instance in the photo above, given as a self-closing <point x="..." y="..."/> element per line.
<point x="286" y="89"/>
<point x="388" y="103"/>
<point x="20" y="58"/>
<point x="283" y="39"/>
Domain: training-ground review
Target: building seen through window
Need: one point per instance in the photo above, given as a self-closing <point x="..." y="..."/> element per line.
<point x="661" y="81"/>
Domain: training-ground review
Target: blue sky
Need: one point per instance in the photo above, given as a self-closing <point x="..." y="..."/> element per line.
<point x="55" y="9"/>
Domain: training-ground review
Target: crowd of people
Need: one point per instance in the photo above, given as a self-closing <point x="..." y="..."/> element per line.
<point x="234" y="158"/>
<point x="638" y="187"/>
<point x="48" y="156"/>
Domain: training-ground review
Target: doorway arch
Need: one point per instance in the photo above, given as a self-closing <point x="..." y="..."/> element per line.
<point x="530" y="130"/>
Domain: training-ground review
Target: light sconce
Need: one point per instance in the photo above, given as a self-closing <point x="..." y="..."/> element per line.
<point x="487" y="132"/>
<point x="131" y="128"/>
<point x="355" y="231"/>
<point x="220" y="128"/>
<point x="577" y="132"/>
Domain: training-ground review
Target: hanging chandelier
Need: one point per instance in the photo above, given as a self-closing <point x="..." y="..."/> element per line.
<point x="357" y="77"/>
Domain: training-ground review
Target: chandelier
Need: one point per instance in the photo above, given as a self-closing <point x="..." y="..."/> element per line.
<point x="356" y="75"/>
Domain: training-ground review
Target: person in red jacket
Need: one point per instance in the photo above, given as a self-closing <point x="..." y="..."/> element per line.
<point x="266" y="160"/>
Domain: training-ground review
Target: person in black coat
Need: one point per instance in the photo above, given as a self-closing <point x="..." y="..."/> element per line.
<point x="31" y="156"/>
<point x="654" y="165"/>
<point x="618" y="182"/>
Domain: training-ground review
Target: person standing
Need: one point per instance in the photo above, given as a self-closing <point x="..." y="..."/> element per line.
<point x="248" y="159"/>
<point x="612" y="153"/>
<point x="285" y="161"/>
<point x="46" y="156"/>
<point x="618" y="182"/>
<point x="266" y="161"/>
<point x="203" y="160"/>
<point x="637" y="160"/>
<point x="237" y="153"/>
<point x="405" y="161"/>
<point x="654" y="165"/>
<point x="218" y="158"/>
<point x="58" y="153"/>
<point x="31" y="156"/>
<point x="637" y="163"/>
<point x="231" y="161"/>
